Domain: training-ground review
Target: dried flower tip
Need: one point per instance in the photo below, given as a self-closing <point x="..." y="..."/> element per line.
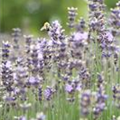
<point x="40" y="116"/>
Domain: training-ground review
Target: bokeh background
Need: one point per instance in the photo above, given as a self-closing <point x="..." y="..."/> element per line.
<point x="30" y="15"/>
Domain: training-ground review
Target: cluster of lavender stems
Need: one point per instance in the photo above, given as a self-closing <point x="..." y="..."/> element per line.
<point x="40" y="76"/>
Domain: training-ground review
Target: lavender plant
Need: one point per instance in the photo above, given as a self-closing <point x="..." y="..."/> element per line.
<point x="73" y="76"/>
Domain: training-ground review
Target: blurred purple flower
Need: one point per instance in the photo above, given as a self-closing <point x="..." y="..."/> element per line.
<point x="80" y="36"/>
<point x="48" y="93"/>
<point x="109" y="36"/>
<point x="69" y="88"/>
<point x="33" y="81"/>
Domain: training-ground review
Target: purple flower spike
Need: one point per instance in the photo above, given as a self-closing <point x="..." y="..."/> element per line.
<point x="48" y="93"/>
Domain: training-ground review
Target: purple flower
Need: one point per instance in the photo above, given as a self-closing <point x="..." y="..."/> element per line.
<point x="101" y="98"/>
<point x="48" y="93"/>
<point x="9" y="99"/>
<point x="28" y="39"/>
<point x="72" y="15"/>
<point x="116" y="95"/>
<point x="80" y="36"/>
<point x="109" y="37"/>
<point x="85" y="102"/>
<point x="69" y="88"/>
<point x="6" y="44"/>
<point x="92" y="7"/>
<point x="33" y="81"/>
<point x="8" y="64"/>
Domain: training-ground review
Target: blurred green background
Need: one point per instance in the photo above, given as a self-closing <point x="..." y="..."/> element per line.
<point x="30" y="15"/>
